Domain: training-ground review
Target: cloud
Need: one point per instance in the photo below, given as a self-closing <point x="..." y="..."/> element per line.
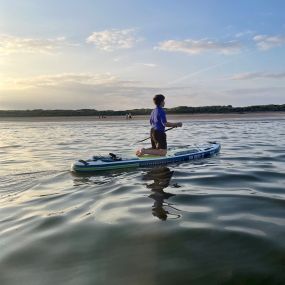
<point x="197" y="72"/>
<point x="244" y="33"/>
<point x="83" y="90"/>
<point x="12" y="44"/>
<point x="106" y="91"/>
<point x="110" y="40"/>
<point x="255" y="96"/>
<point x="200" y="46"/>
<point x="101" y="91"/>
<point x="150" y="64"/>
<point x="266" y="42"/>
<point x="59" y="80"/>
<point x="258" y="75"/>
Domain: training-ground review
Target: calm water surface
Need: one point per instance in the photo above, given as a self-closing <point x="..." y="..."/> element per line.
<point x="214" y="221"/>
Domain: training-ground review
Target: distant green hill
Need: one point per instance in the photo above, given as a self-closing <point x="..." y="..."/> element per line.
<point x="177" y="110"/>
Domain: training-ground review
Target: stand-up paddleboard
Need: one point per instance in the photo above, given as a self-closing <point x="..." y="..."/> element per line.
<point x="100" y="163"/>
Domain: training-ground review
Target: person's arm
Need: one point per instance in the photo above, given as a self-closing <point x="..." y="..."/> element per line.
<point x="173" y="125"/>
<point x="169" y="124"/>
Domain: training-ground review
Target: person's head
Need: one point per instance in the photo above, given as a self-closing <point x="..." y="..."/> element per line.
<point x="158" y="100"/>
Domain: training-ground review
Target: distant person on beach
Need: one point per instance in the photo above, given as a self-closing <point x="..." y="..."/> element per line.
<point x="158" y="123"/>
<point x="128" y="116"/>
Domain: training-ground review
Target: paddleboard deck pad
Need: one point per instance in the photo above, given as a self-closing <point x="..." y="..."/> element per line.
<point x="101" y="163"/>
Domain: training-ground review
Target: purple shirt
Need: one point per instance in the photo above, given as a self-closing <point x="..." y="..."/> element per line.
<point x="158" y="119"/>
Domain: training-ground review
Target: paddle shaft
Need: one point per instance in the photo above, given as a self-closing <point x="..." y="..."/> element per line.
<point x="149" y="137"/>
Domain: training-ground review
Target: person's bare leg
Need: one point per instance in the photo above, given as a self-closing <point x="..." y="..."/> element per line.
<point x="151" y="151"/>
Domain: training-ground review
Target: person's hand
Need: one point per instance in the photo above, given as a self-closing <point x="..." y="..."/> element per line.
<point x="179" y="124"/>
<point x="140" y="152"/>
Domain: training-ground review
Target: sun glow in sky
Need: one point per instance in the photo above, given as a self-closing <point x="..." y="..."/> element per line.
<point x="113" y="54"/>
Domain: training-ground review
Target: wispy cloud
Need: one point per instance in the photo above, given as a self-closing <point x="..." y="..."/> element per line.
<point x="255" y="95"/>
<point x="110" y="40"/>
<point x="12" y="44"/>
<point x="150" y="64"/>
<point x="106" y="91"/>
<point x="258" y="75"/>
<point x="101" y="91"/>
<point x="59" y="80"/>
<point x="266" y="42"/>
<point x="82" y="90"/>
<point x="244" y="33"/>
<point x="193" y="47"/>
<point x="197" y="72"/>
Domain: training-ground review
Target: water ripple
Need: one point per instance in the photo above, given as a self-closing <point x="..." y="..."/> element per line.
<point x="214" y="221"/>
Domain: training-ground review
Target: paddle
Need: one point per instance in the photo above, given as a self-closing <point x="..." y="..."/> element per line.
<point x="149" y="137"/>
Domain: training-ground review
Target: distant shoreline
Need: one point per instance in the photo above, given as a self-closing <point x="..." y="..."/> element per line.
<point x="180" y="110"/>
<point x="170" y="117"/>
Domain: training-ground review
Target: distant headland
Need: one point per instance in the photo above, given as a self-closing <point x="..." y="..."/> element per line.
<point x="181" y="110"/>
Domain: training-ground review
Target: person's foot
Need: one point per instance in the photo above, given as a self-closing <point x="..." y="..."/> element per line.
<point x="140" y="152"/>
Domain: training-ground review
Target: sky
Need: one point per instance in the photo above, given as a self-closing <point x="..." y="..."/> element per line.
<point x="112" y="54"/>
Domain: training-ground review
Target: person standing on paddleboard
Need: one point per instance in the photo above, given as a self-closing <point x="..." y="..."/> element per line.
<point x="158" y="123"/>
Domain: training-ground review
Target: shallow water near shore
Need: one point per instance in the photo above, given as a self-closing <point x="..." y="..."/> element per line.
<point x="214" y="221"/>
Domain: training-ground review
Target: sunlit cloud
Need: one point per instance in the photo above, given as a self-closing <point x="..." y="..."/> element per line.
<point x="107" y="91"/>
<point x="114" y="39"/>
<point x="266" y="42"/>
<point x="58" y="80"/>
<point x="193" y="47"/>
<point x="12" y="44"/>
<point x="75" y="91"/>
<point x="258" y="75"/>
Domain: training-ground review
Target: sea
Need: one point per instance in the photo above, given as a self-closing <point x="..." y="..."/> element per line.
<point x="219" y="220"/>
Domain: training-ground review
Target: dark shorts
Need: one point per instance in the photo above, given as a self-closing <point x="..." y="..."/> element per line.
<point x="158" y="139"/>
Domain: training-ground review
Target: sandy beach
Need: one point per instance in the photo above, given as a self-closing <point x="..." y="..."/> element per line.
<point x="170" y="117"/>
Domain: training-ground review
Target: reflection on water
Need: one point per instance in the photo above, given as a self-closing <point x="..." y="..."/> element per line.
<point x="100" y="178"/>
<point x="161" y="177"/>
